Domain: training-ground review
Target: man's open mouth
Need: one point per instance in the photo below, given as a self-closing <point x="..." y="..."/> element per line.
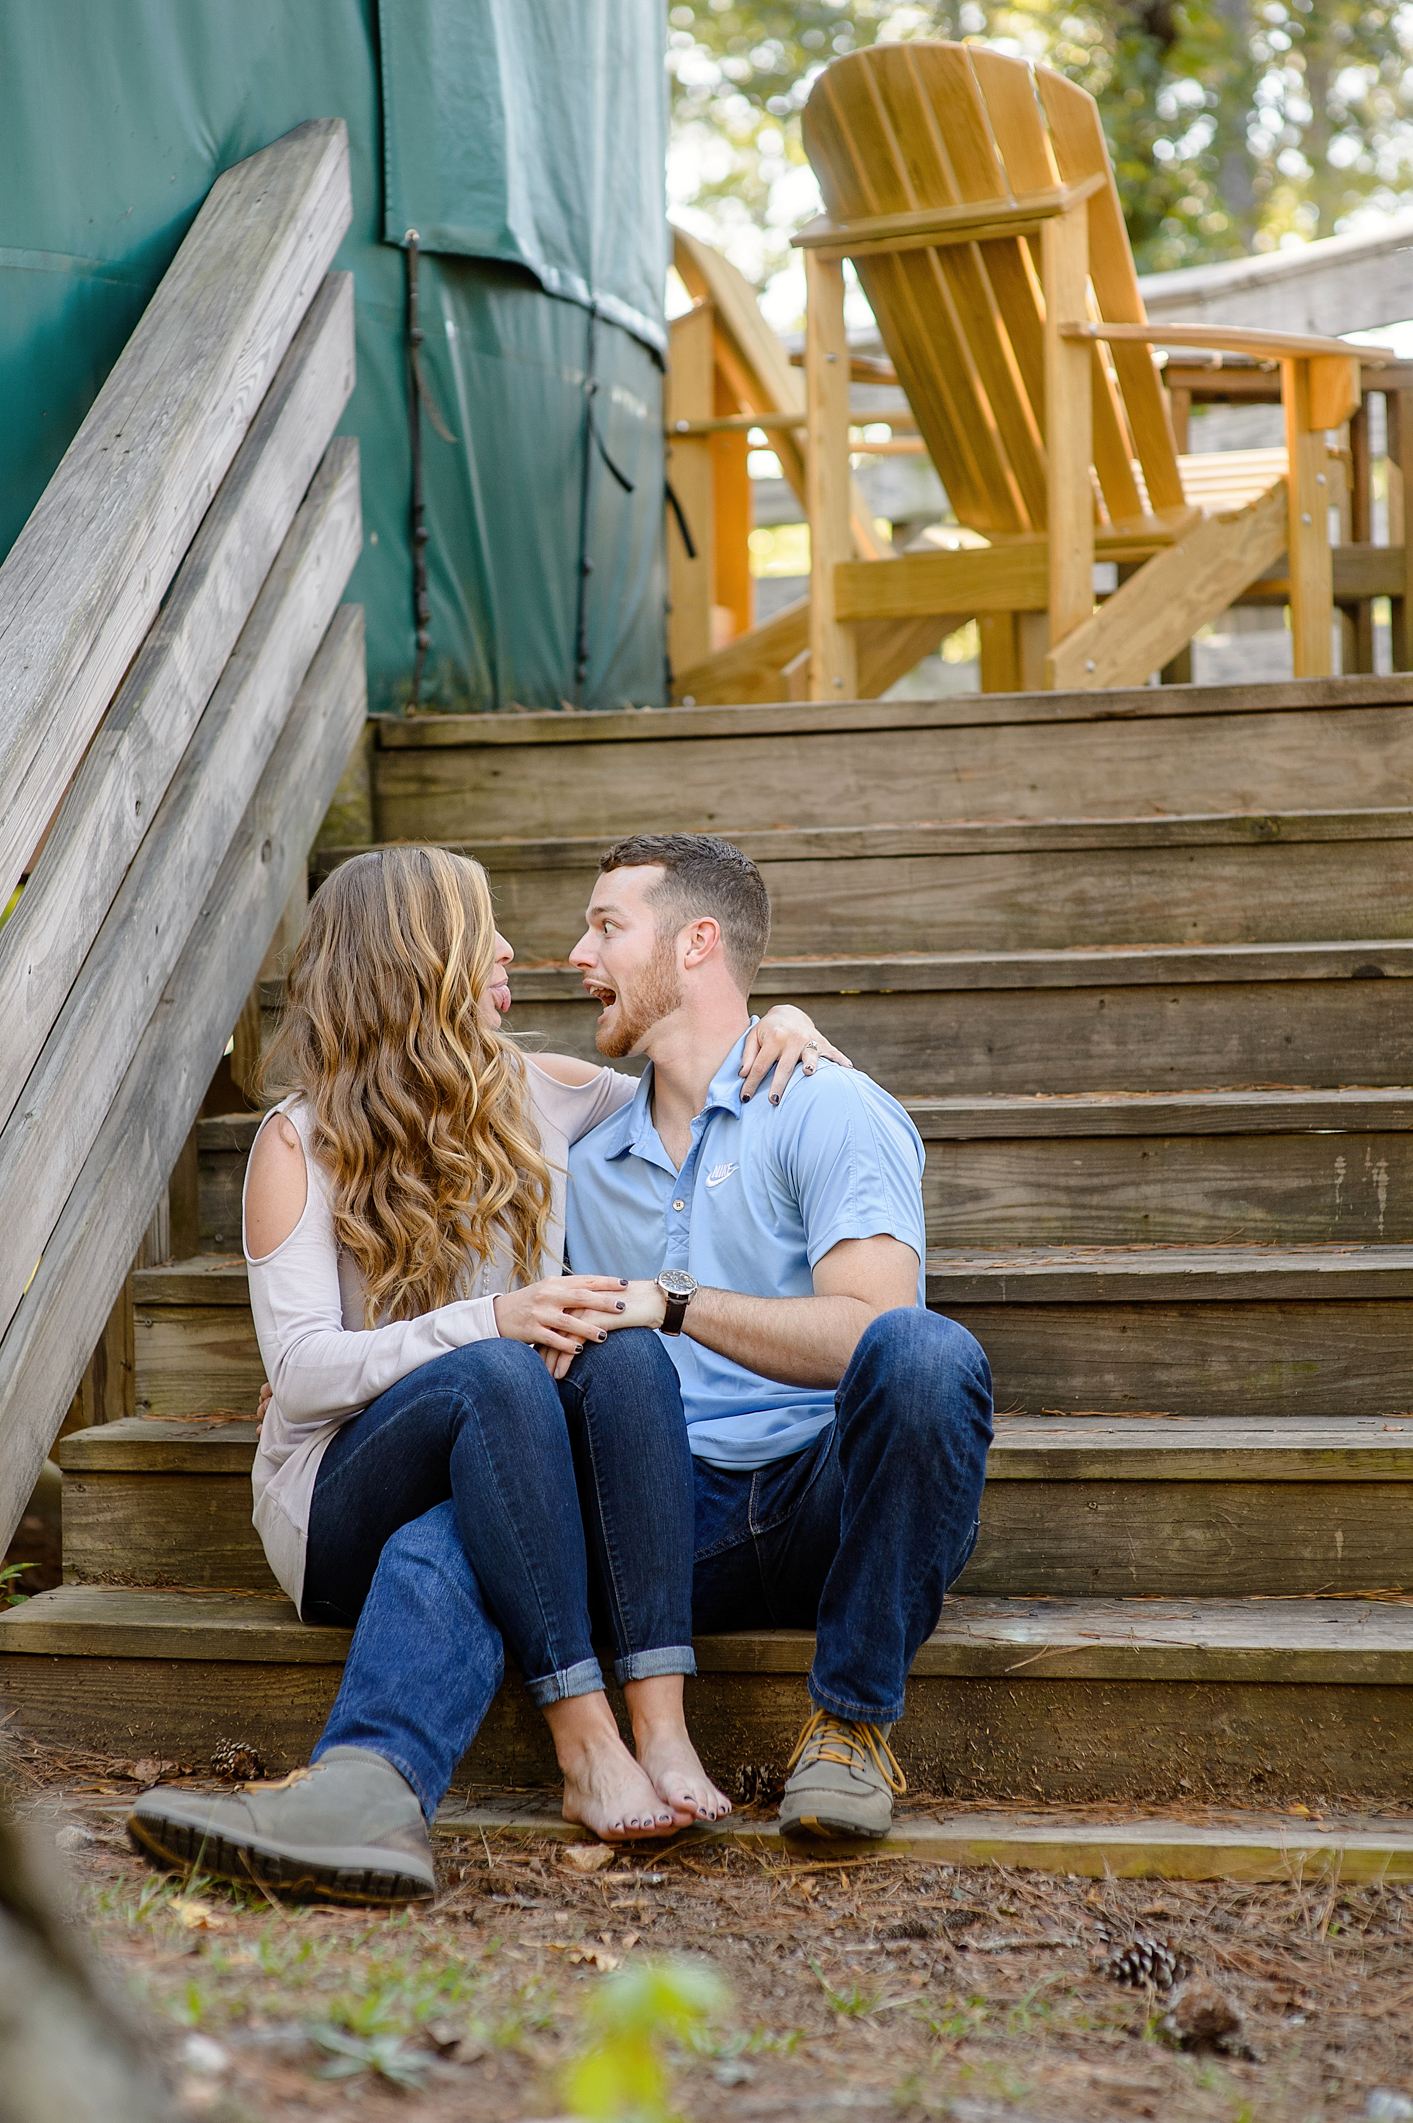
<point x="604" y="997"/>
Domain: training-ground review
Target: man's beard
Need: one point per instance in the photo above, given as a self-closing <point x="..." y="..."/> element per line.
<point x="655" y="994"/>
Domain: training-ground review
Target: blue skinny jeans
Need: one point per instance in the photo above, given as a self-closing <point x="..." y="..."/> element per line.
<point x="858" y="1536"/>
<point x="477" y="1507"/>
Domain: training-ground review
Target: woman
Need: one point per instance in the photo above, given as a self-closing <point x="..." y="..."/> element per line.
<point x="434" y="1459"/>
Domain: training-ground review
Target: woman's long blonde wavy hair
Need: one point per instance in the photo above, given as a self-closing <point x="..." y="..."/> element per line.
<point x="421" y="1113"/>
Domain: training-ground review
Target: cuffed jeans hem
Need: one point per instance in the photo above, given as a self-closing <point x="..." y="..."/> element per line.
<point x="399" y="1762"/>
<point x="585" y="1678"/>
<point x="857" y="1713"/>
<point x="647" y="1665"/>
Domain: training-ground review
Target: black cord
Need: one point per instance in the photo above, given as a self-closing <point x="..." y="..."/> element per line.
<point x="680" y="513"/>
<point x="593" y="440"/>
<point x="421" y="604"/>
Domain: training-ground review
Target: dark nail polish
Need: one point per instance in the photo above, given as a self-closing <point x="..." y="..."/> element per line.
<point x="620" y="1306"/>
<point x="775" y="1098"/>
<point x="745" y="1098"/>
<point x="603" y="1331"/>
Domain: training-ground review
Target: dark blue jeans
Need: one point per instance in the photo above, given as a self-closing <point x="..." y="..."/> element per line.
<point x="478" y="1503"/>
<point x="859" y="1536"/>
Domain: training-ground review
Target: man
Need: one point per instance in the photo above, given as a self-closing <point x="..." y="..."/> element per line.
<point x="838" y="1429"/>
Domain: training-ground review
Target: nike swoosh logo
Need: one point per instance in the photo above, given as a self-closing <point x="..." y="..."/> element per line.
<point x="717" y="1179"/>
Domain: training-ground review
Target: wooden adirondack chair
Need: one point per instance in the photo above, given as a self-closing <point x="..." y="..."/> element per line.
<point x="727" y="373"/>
<point x="974" y="194"/>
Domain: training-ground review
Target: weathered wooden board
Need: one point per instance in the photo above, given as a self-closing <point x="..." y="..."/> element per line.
<point x="1157" y="1034"/>
<point x="162" y="1529"/>
<point x="1340" y="1450"/>
<point x="131" y="761"/>
<point x="1213" y="1540"/>
<point x="86" y="576"/>
<point x="1218" y="1274"/>
<point x="1007" y="1117"/>
<point x="223" y="1146"/>
<point x="1259" y="1362"/>
<point x="550" y="726"/>
<point x="1113" y="765"/>
<point x="1308" y="1189"/>
<point x="1051" y="1537"/>
<point x="60" y="1316"/>
<point x="83" y="1059"/>
<point x="142" y="1446"/>
<point x="990" y="1710"/>
<point x="1255" y="1846"/>
<point x="222" y="1180"/>
<point x="194" y="1358"/>
<point x="1008" y="888"/>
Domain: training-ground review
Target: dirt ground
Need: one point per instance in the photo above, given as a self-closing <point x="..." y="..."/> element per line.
<point x="881" y="1986"/>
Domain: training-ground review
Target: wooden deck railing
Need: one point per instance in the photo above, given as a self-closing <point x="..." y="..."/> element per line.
<point x="179" y="692"/>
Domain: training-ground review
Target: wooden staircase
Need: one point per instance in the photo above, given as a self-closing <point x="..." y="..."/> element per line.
<point x="1137" y="962"/>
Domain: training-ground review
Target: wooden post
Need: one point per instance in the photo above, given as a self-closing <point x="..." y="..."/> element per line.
<point x="691" y="396"/>
<point x="1069" y="442"/>
<point x="732" y="590"/>
<point x="1000" y="651"/>
<point x="1400" y="465"/>
<point x="833" y="655"/>
<point x="1311" y="570"/>
<point x="1360" y="652"/>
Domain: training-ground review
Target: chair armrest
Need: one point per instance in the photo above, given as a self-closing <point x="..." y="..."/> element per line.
<point x="1235" y="339"/>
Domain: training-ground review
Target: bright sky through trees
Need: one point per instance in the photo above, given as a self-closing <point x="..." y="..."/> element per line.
<point x="1235" y="125"/>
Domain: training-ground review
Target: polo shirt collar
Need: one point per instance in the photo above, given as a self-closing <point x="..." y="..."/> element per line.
<point x="631" y="1129"/>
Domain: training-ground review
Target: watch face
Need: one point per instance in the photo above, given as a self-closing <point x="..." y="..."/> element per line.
<point x="676" y="1282"/>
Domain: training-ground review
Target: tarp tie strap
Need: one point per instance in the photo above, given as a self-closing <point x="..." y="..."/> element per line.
<point x="681" y="514"/>
<point x="421" y="604"/>
<point x="593" y="440"/>
<point x="418" y="396"/>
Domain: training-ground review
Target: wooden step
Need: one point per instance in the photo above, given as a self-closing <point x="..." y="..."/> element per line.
<point x="1087" y="1169"/>
<point x="1026" y="755"/>
<point x="1239" y="1333"/>
<point x="1061" y="1700"/>
<point x="1085" y="1505"/>
<point x="987" y="885"/>
<point x="1123" y="1018"/>
<point x="194" y="1346"/>
<point x="223" y="1146"/>
<point x="1251" y="1844"/>
<point x="1196" y="1167"/>
<point x="1236" y="1332"/>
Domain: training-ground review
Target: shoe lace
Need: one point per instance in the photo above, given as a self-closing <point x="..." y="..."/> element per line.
<point x="853" y="1745"/>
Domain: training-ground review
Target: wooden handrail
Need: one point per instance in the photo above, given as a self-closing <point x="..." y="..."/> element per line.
<point x="205" y="771"/>
<point x="87" y="574"/>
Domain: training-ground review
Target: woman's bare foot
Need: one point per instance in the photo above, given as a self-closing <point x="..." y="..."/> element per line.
<point x="670" y="1760"/>
<point x="604" y="1788"/>
<point x="665" y="1752"/>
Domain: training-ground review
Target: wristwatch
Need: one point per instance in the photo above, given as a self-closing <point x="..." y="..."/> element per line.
<point x="679" y="1289"/>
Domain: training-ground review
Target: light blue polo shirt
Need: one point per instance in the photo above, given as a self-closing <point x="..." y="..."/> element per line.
<point x="765" y="1192"/>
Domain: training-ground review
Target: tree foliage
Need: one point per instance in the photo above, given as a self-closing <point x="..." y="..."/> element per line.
<point x="1233" y="124"/>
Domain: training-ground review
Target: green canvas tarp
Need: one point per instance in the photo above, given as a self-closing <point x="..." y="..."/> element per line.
<point x="529" y="137"/>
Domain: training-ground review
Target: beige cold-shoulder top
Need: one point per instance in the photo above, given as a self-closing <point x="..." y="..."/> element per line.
<point x="324" y="1365"/>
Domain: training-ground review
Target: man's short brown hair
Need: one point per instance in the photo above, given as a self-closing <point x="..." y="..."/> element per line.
<point x="704" y="876"/>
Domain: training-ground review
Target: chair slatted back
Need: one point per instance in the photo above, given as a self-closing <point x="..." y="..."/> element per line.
<point x="901" y="127"/>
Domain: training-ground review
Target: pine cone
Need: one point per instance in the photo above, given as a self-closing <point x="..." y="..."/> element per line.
<point x="1147" y="1961"/>
<point x="237" y="1761"/>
